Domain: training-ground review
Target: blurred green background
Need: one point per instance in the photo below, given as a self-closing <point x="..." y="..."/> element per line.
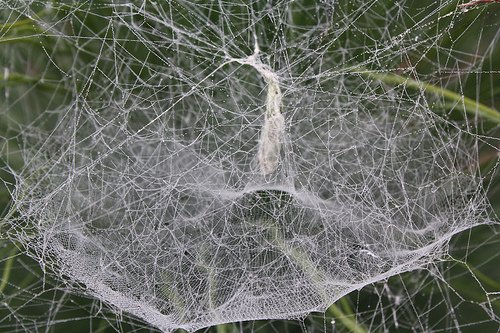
<point x="455" y="295"/>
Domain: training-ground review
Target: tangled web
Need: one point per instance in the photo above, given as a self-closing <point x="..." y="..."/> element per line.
<point x="211" y="162"/>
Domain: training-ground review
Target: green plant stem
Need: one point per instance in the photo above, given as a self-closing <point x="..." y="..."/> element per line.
<point x="102" y="326"/>
<point x="7" y="269"/>
<point x="483" y="280"/>
<point x="471" y="106"/>
<point x="22" y="34"/>
<point x="14" y="79"/>
<point x="494" y="285"/>
<point x="4" y="194"/>
<point x="27" y="25"/>
<point x="18" y="24"/>
<point x="24" y="22"/>
<point x="346" y="307"/>
<point x="349" y="321"/>
<point x="20" y="39"/>
<point x="224" y="328"/>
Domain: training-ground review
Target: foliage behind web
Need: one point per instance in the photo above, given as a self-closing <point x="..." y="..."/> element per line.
<point x="141" y="185"/>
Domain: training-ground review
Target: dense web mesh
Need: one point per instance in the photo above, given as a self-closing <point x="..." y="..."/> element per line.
<point x="205" y="162"/>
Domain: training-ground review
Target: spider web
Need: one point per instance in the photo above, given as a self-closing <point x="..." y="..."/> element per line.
<point x="194" y="163"/>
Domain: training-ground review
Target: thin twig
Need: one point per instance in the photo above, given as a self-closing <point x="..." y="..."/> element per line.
<point x="477" y="2"/>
